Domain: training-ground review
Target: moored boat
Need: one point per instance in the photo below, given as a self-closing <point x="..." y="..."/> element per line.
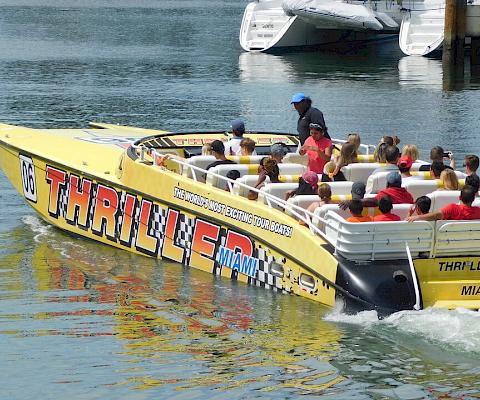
<point x="107" y="183"/>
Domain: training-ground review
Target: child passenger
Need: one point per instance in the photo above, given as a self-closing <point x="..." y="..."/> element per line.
<point x="385" y="206"/>
<point x="356" y="208"/>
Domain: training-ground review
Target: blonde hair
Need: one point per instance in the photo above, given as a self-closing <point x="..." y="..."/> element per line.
<point x="412" y="151"/>
<point x="325" y="192"/>
<point x="329" y="167"/>
<point x="354" y="138"/>
<point x="206" y="150"/>
<point x="348" y="155"/>
<point x="449" y="179"/>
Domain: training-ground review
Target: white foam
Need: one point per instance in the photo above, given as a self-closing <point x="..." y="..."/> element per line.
<point x="37" y="226"/>
<point x="455" y="328"/>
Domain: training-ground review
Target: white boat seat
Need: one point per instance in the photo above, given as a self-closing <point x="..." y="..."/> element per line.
<point x="251" y="180"/>
<point x="359" y="172"/>
<point x="295" y="158"/>
<point x="440" y="198"/>
<point x="377" y="241"/>
<point x="457" y="237"/>
<point x="204" y="161"/>
<point x="247" y="169"/>
<point x="420" y="187"/>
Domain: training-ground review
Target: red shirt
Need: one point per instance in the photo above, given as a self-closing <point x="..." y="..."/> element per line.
<point x="315" y="162"/>
<point x="386" y="217"/>
<point x="398" y="195"/>
<point x="460" y="211"/>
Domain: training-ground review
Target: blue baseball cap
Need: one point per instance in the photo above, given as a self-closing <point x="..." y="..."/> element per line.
<point x="237" y="125"/>
<point x="298" y="97"/>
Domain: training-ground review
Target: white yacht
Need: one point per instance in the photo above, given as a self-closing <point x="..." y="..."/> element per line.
<point x="423" y="24"/>
<point x="275" y="24"/>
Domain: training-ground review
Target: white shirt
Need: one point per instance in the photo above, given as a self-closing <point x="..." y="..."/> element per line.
<point x="232" y="147"/>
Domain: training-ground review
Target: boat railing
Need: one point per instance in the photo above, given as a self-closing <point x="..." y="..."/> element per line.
<point x="297" y="212"/>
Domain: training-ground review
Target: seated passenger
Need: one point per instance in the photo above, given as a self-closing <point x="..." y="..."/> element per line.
<point x="218" y="150"/>
<point x="437" y="154"/>
<point x="307" y="184"/>
<point x="354" y="138"/>
<point x="268" y="167"/>
<point x="207" y="149"/>
<point x="395" y="191"/>
<point x="385" y="206"/>
<point x="449" y="180"/>
<point x="473" y="181"/>
<point x="392" y="154"/>
<point x="358" y="191"/>
<point x="329" y="174"/>
<point x="233" y="175"/>
<point x="422" y="206"/>
<point x="436" y="168"/>
<point x="348" y="155"/>
<point x="379" y="153"/>
<point x="412" y="151"/>
<point x="247" y="147"/>
<point x="470" y="163"/>
<point x="325" y="194"/>
<point x="232" y="147"/>
<point x="391" y="140"/>
<point x="355" y="207"/>
<point x="278" y="151"/>
<point x="404" y="164"/>
<point x="462" y="211"/>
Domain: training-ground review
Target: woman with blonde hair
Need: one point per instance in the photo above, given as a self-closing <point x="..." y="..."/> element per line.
<point x="354" y="138"/>
<point x="449" y="180"/>
<point x="412" y="151"/>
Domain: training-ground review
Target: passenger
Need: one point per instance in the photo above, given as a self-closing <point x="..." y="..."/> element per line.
<point x="473" y="181"/>
<point x="358" y="191"/>
<point x="385" y="206"/>
<point x="268" y="168"/>
<point x="247" y="147"/>
<point x="278" y="151"/>
<point x="404" y="164"/>
<point x="218" y="150"/>
<point x="395" y="191"/>
<point x="462" y="211"/>
<point x="233" y="175"/>
<point x="422" y="206"/>
<point x="470" y="163"/>
<point x="379" y="153"/>
<point x="207" y="149"/>
<point x="354" y="138"/>
<point x="307" y="184"/>
<point x="436" y="168"/>
<point x="412" y="151"/>
<point x="232" y="147"/>
<point x="391" y="140"/>
<point x="329" y="173"/>
<point x="325" y="194"/>
<point x="307" y="115"/>
<point x="348" y="155"/>
<point x="356" y="207"/>
<point x="437" y="154"/>
<point x="449" y="180"/>
<point x="392" y="154"/>
<point x="318" y="148"/>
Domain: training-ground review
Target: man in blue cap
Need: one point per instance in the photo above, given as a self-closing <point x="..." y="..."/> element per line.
<point x="307" y="115"/>
<point x="232" y="147"/>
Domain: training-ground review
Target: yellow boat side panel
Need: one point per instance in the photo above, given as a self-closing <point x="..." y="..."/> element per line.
<point x="449" y="282"/>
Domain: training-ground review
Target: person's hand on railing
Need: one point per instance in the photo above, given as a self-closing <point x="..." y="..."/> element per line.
<point x="343" y="205"/>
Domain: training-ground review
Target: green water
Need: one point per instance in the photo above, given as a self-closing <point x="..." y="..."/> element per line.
<point x="83" y="321"/>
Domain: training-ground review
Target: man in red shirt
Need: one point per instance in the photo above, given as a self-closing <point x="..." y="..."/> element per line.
<point x="394" y="190"/>
<point x="385" y="206"/>
<point x="318" y="149"/>
<point x="462" y="211"/>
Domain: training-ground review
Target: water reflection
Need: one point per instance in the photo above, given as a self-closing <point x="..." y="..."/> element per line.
<point x="422" y="72"/>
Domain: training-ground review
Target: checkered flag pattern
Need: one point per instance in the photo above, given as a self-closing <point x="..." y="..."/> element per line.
<point x="217" y="270"/>
<point x="184" y="233"/>
<point x="63" y="200"/>
<point x="159" y="222"/>
<point x="264" y="277"/>
<point x="93" y="201"/>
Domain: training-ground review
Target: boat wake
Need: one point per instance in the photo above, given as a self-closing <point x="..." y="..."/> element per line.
<point x="38" y="227"/>
<point x="456" y="329"/>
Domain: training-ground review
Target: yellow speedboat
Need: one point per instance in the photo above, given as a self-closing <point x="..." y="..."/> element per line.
<point x="105" y="183"/>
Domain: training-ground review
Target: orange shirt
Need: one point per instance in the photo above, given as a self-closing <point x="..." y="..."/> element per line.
<point x="359" y="219"/>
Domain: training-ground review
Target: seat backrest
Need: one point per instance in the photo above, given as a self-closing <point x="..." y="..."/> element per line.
<point x="359" y="172"/>
<point x="295" y="158"/>
<point x="200" y="162"/>
<point x="376" y="182"/>
<point x="427" y="176"/>
<point x="251" y="180"/>
<point x="419" y="187"/>
<point x="246" y="159"/>
<point x="440" y="198"/>
<point x="275" y="189"/>
<point x="340" y="188"/>
<point x="457" y="237"/>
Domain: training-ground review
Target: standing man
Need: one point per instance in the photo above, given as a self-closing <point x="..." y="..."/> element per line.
<point x="232" y="147"/>
<point x="307" y="115"/>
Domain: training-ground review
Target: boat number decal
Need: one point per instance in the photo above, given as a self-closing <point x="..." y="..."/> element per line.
<point x="153" y="229"/>
<point x="28" y="178"/>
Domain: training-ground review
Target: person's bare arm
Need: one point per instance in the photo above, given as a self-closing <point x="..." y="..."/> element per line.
<point x="433" y="216"/>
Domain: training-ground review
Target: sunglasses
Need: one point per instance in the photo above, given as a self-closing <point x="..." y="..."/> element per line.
<point x="318" y="127"/>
